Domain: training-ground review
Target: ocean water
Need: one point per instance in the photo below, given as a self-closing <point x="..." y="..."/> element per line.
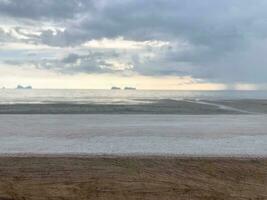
<point x="46" y="96"/>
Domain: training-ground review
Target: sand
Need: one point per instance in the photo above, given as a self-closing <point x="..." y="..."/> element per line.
<point x="108" y="178"/>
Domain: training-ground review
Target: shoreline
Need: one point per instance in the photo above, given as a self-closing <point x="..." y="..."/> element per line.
<point x="134" y="156"/>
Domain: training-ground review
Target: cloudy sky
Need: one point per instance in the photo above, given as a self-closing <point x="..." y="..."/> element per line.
<point x="151" y="44"/>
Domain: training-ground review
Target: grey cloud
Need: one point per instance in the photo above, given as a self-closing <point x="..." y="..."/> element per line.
<point x="6" y="37"/>
<point x="219" y="24"/>
<point x="92" y="62"/>
<point x="227" y="38"/>
<point x="41" y="9"/>
<point x="71" y="58"/>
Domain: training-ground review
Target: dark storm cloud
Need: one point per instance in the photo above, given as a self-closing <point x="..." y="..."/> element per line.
<point x="227" y="38"/>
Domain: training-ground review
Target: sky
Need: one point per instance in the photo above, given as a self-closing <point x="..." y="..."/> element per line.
<point x="151" y="44"/>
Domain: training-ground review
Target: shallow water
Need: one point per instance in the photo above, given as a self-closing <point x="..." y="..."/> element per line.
<point x="223" y="135"/>
<point x="13" y="96"/>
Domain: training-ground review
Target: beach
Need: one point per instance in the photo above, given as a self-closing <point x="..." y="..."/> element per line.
<point x="150" y="149"/>
<point x="133" y="100"/>
<point x="109" y="156"/>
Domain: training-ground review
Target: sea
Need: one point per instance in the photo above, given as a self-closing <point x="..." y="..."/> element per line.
<point x="50" y="122"/>
<point x="128" y="97"/>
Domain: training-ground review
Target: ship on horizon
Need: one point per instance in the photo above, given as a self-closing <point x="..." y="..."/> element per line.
<point x="129" y="88"/>
<point x="115" y="88"/>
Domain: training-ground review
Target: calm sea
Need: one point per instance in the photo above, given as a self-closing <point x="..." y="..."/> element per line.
<point x="36" y="96"/>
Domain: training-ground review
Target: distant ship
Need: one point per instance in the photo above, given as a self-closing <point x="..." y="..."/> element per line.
<point x="129" y="88"/>
<point x="115" y="88"/>
<point x="24" y="88"/>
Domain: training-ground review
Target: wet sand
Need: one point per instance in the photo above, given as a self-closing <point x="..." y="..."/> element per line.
<point x="108" y="178"/>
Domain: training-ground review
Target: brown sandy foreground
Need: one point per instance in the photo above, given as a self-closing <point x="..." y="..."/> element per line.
<point x="108" y="178"/>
